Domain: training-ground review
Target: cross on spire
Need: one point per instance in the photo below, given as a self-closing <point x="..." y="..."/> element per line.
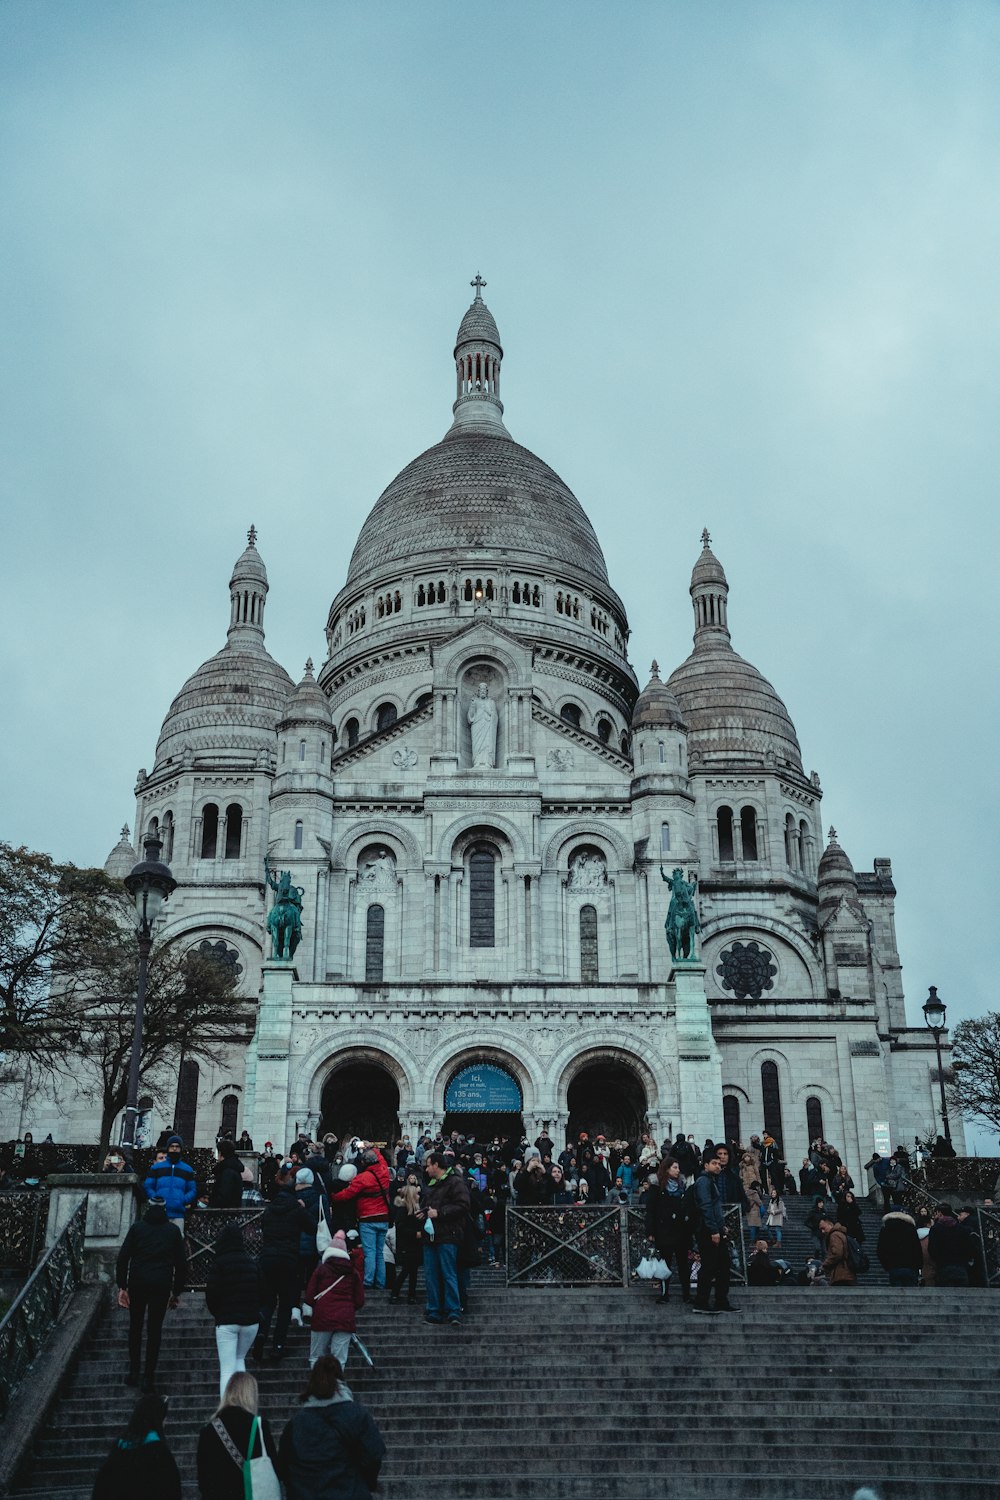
<point x="252" y="536"/>
<point x="705" y="539"/>
<point x="478" y="283"/>
<point x="832" y="835"/>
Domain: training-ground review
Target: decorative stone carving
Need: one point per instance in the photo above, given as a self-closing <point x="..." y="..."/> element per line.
<point x="378" y="871"/>
<point x="587" y="871"/>
<point x="483" y="721"/>
<point x="746" y="969"/>
<point x="404" y="760"/>
<point x="559" y="760"/>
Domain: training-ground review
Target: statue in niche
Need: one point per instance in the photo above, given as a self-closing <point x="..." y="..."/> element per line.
<point x="483" y="719"/>
<point x="284" y="920"/>
<point x="682" y="922"/>
<point x="587" y="871"/>
<point x="379" y="871"/>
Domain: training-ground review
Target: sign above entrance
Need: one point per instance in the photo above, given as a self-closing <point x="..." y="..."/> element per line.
<point x="483" y="1090"/>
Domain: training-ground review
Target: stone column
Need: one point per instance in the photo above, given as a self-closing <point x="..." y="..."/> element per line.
<point x="270" y="1045"/>
<point x="699" y="1062"/>
<point x="111" y="1209"/>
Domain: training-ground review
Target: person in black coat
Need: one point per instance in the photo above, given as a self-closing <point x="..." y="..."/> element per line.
<point x="331" y="1449"/>
<point x="220" y="1477"/>
<point x="899" y="1249"/>
<point x="150" y="1273"/>
<point x="227" y="1186"/>
<point x="140" y="1463"/>
<point x="849" y="1214"/>
<point x="232" y="1293"/>
<point x="669" y="1225"/>
<point x="283" y="1222"/>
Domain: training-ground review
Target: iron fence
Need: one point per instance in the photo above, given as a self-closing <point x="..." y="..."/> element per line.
<point x="40" y="1304"/>
<point x="23" y="1216"/>
<point x="202" y="1229"/>
<point x="560" y="1245"/>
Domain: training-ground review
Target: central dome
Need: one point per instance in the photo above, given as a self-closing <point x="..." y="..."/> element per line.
<point x="476" y="492"/>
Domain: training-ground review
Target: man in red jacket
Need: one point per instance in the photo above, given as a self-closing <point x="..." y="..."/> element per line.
<point x="371" y="1189"/>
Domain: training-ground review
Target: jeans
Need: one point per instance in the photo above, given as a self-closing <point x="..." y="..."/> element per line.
<point x="146" y="1303"/>
<point x="902" y="1276"/>
<point x="441" y="1277"/>
<point x="373" y="1233"/>
<point x="773" y="1231"/>
<point x="233" y="1341"/>
<point x="714" y="1271"/>
<point x="280" y="1280"/>
<point x="337" y="1344"/>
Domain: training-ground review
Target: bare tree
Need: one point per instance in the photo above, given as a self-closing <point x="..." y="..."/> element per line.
<point x="975" y="1070"/>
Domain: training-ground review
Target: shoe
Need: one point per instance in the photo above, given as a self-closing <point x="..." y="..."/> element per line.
<point x="725" y="1307"/>
<point x="132" y="1378"/>
<point x="429" y="1319"/>
<point x="663" y="1297"/>
<point x="697" y="1308"/>
<point x="455" y="1322"/>
<point x="393" y="1298"/>
<point x="297" y="1317"/>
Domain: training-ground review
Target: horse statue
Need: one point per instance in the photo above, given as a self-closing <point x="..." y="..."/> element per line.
<point x="284" y="920"/>
<point x="682" y="919"/>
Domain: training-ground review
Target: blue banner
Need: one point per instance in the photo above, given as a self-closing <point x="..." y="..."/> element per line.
<point x="483" y="1090"/>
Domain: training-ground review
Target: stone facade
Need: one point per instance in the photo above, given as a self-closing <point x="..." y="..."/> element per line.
<point x="476" y="801"/>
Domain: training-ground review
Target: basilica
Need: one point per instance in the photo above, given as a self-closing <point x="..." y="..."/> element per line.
<point x="484" y="815"/>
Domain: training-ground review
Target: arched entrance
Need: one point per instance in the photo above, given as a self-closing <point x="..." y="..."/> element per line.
<point x="483" y="1100"/>
<point x="361" y="1098"/>
<point x="606" y="1098"/>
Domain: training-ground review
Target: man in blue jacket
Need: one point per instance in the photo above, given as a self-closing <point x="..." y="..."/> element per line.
<point x="173" y="1181"/>
<point x="711" y="1232"/>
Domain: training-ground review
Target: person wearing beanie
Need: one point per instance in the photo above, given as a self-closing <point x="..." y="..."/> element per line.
<point x="150" y="1273"/>
<point x="370" y="1189"/>
<point x="335" y="1292"/>
<point x="343" y="1211"/>
<point x="311" y="1194"/>
<point x="232" y="1295"/>
<point x="174" y="1181"/>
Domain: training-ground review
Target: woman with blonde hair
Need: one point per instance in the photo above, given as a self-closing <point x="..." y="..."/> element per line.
<point x="234" y="1434"/>
<point x="406" y="1221"/>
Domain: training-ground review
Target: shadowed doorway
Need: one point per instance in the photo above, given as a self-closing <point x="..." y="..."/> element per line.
<point x="606" y="1098"/>
<point x="361" y="1099"/>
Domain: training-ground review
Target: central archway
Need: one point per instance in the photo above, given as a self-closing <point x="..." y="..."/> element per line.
<point x="606" y="1098"/>
<point x="484" y="1101"/>
<point x="361" y="1098"/>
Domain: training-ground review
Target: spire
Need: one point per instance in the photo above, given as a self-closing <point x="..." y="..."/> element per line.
<point x="247" y="592"/>
<point x="709" y="595"/>
<point x="478" y="355"/>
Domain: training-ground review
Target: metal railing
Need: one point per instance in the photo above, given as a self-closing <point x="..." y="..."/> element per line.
<point x="986" y="1230"/>
<point x="40" y="1304"/>
<point x="592" y="1246"/>
<point x="23" y="1216"/>
<point x="202" y="1229"/>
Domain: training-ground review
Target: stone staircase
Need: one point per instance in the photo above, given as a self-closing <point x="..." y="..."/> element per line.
<point x="551" y="1394"/>
<point x="797" y="1242"/>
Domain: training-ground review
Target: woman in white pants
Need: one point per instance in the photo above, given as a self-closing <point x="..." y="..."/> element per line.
<point x="233" y="1297"/>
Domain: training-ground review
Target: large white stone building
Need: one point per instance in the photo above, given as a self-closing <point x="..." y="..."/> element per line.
<point x="475" y="799"/>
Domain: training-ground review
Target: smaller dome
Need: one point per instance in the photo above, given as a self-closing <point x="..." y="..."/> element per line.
<point x="308" y="703"/>
<point x="708" y="568"/>
<point x="249" y="566"/>
<point x="835" y="869"/>
<point x="478" y="325"/>
<point x="122" y="858"/>
<point x="656" y="707"/>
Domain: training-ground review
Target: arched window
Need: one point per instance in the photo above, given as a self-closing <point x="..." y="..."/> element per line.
<point x="154" y="828"/>
<point x="731" y="1119"/>
<point x="298" y="834"/>
<point x="424" y="698"/>
<point x="230" y="1114"/>
<point x="482" y="899"/>
<point x="814" y="1119"/>
<point x="588" y="944"/>
<point x="302" y="749"/>
<point x="664" y="838"/>
<point x="374" y="944"/>
<point x="571" y="714"/>
<point x="209" y="837"/>
<point x="772" y="1099"/>
<point x="748" y="832"/>
<point x="351" y="731"/>
<point x="625" y="745"/>
<point x="605" y="729"/>
<point x="186" y="1108"/>
<point x="234" y="830"/>
<point x="385" y="715"/>
<point x="791" y="842"/>
<point x="805" y="863"/>
<point x="724" y="823"/>
<point x="168" y="837"/>
<point x="663" y="752"/>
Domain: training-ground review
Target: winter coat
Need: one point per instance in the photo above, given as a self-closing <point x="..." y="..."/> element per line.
<point x="533" y="1188"/>
<point x="849" y="1215"/>
<point x="152" y="1255"/>
<point x="282" y="1225"/>
<point x="227" y="1189"/>
<point x="835" y="1267"/>
<point x="370" y="1188"/>
<point x="667" y="1218"/>
<point x="407" y="1227"/>
<point x="331" y="1450"/>
<point x="219" y="1478"/>
<point x="761" y="1271"/>
<point x="711" y="1215"/>
<point x="175" y="1183"/>
<point x="754" y="1211"/>
<point x="312" y="1197"/>
<point x="335" y="1292"/>
<point x="450" y="1196"/>
<point x="950" y="1244"/>
<point x="776" y="1213"/>
<point x="898" y="1243"/>
<point x="144" y="1468"/>
<point x="749" y="1170"/>
<point x="232" y="1291"/>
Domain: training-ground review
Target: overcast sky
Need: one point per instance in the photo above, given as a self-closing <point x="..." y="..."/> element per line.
<point x="745" y="261"/>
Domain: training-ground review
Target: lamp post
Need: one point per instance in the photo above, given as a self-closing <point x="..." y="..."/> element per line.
<point x="149" y="883"/>
<point x="935" y="1012"/>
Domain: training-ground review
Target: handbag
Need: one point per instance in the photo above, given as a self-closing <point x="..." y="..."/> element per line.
<point x="324" y="1239"/>
<point x="389" y="1248"/>
<point x="260" y="1482"/>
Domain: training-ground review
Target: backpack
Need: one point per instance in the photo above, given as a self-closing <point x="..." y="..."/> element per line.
<point x="691" y="1212"/>
<point x="857" y="1261"/>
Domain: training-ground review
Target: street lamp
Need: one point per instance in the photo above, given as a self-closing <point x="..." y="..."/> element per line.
<point x="935" y="1012"/>
<point x="149" y="883"/>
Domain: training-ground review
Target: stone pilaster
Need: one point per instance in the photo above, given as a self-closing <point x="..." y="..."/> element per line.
<point x="266" y="1111"/>
<point x="699" y="1062"/>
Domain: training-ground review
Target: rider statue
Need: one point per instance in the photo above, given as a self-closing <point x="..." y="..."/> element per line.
<point x="284" y="920"/>
<point x="682" y="918"/>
